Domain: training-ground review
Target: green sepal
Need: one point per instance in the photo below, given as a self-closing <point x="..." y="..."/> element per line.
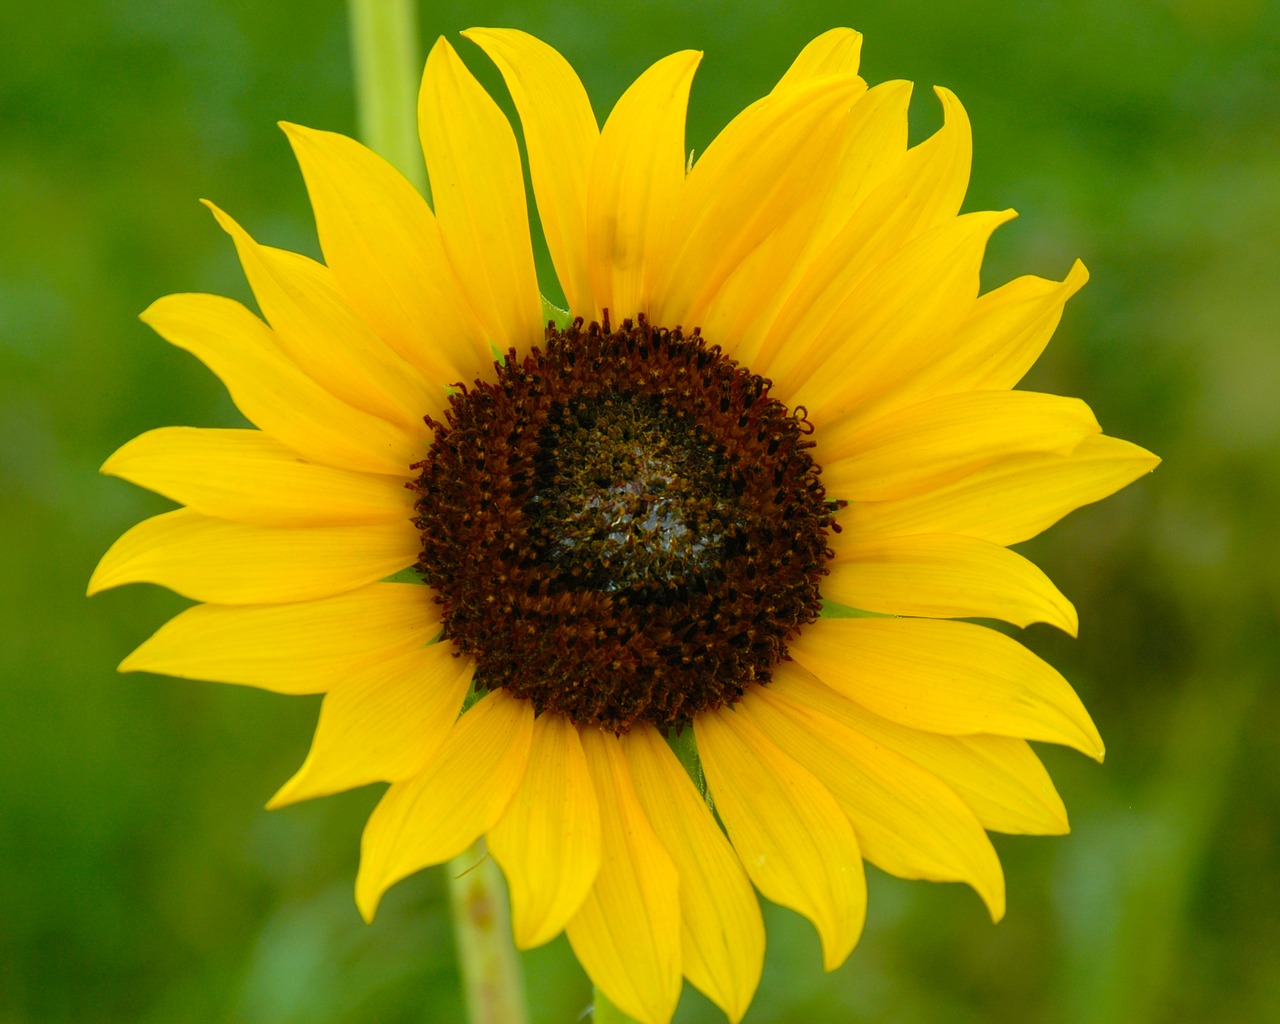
<point x="831" y="610"/>
<point x="408" y="575"/>
<point x="685" y="747"/>
<point x="552" y="312"/>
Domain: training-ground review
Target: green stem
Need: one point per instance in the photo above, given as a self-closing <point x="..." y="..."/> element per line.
<point x="384" y="48"/>
<point x="481" y="927"/>
<point x="604" y="1012"/>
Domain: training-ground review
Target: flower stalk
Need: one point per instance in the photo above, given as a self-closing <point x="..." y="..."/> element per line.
<point x="388" y="62"/>
<point x="481" y="926"/>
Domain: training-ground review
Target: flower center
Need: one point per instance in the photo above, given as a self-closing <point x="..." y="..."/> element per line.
<point x="629" y="495"/>
<point x="623" y="527"/>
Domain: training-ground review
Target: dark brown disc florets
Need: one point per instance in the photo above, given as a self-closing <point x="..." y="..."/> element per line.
<point x="623" y="527"/>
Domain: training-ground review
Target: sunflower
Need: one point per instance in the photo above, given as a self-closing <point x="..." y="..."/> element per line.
<point x="741" y="492"/>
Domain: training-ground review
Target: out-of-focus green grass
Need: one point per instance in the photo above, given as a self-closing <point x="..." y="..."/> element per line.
<point x="139" y="878"/>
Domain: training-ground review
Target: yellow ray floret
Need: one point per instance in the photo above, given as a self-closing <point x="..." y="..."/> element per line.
<point x="794" y="840"/>
<point x="299" y="647"/>
<point x="549" y="842"/>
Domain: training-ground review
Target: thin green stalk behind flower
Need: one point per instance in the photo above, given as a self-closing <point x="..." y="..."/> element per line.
<point x="387" y="63"/>
<point x="490" y="970"/>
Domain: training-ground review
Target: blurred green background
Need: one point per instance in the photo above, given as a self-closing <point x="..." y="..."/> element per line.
<point x="139" y="878"/>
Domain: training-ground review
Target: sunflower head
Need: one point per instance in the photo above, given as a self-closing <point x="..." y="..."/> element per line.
<point x="778" y="389"/>
<point x="622" y="527"/>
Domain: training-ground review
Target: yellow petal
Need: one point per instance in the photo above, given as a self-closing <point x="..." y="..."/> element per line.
<point x="943" y="439"/>
<point x="740" y="315"/>
<point x="233" y="563"/>
<point x="274" y="393"/>
<point x="939" y="575"/>
<point x="721" y="930"/>
<point x="753" y="176"/>
<point x="478" y="187"/>
<point x="835" y="52"/>
<point x="381" y="241"/>
<point x="999" y="777"/>
<point x="793" y="838"/>
<point x="317" y="330"/>
<point x="548" y="841"/>
<point x="952" y="678"/>
<point x="626" y="935"/>
<point x="876" y="144"/>
<point x="908" y="822"/>
<point x="1013" y="499"/>
<point x="303" y="647"/>
<point x="447" y="806"/>
<point x="560" y="134"/>
<point x="897" y="318"/>
<point x="382" y="723"/>
<point x="916" y="194"/>
<point x="246" y="476"/>
<point x="634" y="185"/>
<point x="1002" y="336"/>
<point x="927" y="188"/>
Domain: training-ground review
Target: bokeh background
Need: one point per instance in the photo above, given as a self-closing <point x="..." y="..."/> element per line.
<point x="141" y="881"/>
